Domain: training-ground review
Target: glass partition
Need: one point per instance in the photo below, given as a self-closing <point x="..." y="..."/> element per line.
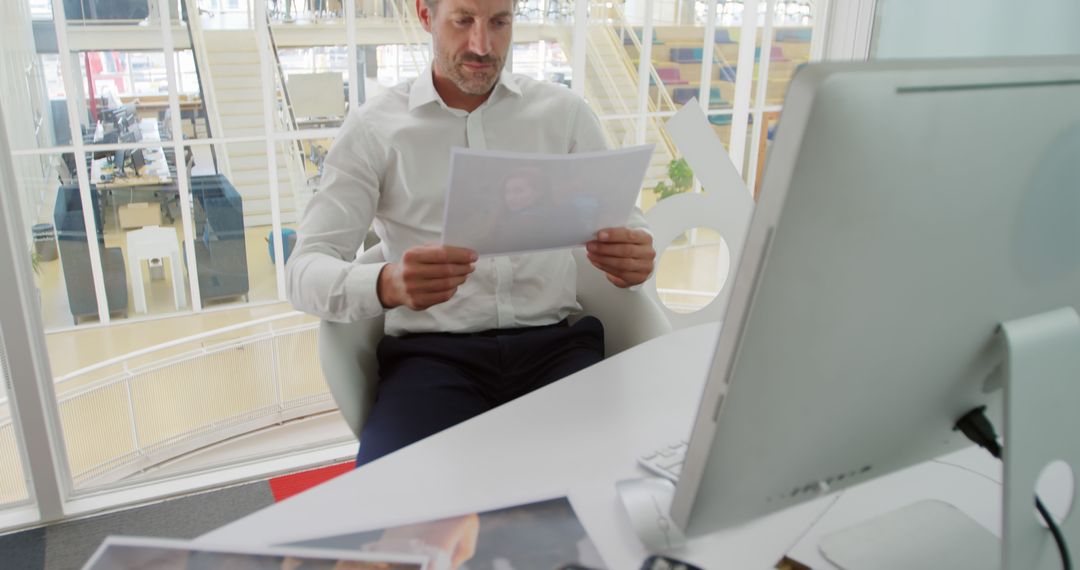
<point x="221" y="267"/>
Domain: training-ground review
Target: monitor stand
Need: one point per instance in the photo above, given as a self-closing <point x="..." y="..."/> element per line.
<point x="647" y="501"/>
<point x="1042" y="390"/>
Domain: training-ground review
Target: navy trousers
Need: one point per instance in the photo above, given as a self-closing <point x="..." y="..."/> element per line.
<point x="431" y="381"/>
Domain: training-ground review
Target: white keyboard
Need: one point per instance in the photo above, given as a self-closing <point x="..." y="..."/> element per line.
<point x="667" y="461"/>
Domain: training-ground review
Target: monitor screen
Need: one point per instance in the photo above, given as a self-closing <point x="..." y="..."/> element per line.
<point x="119" y="158"/>
<point x="904" y="215"/>
<point x="138" y="161"/>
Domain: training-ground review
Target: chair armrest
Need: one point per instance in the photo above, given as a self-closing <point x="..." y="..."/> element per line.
<point x="347" y="358"/>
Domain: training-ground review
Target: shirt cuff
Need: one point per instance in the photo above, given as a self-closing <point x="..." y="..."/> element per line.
<point x="362" y="291"/>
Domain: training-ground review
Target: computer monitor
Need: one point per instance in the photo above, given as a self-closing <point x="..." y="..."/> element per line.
<point x="138" y="161"/>
<point x="907" y="209"/>
<point x="118" y="162"/>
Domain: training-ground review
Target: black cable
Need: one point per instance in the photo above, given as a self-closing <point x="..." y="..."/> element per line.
<point x="1063" y="548"/>
<point x="977" y="427"/>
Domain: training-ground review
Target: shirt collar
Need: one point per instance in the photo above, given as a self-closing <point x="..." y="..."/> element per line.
<point x="423" y="90"/>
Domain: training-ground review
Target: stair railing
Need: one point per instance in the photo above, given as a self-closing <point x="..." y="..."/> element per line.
<point x="206" y="84"/>
<point x="294" y="155"/>
<point x="286" y="114"/>
<point x="663" y="99"/>
<point x="409" y="27"/>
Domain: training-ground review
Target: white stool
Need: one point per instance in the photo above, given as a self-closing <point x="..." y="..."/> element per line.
<point x="149" y="243"/>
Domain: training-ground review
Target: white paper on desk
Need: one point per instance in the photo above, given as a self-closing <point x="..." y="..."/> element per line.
<point x="505" y="202"/>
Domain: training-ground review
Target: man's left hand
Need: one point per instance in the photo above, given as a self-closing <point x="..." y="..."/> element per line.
<point x="624" y="255"/>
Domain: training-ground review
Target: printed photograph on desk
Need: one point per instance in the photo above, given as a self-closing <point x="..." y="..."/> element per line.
<point x="545" y="535"/>
<point x="147" y="553"/>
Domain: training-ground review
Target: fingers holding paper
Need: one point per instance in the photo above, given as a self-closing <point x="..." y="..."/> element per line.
<point x="426" y="275"/>
<point x="625" y="255"/>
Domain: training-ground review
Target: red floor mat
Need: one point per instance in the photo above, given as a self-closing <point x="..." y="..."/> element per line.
<point x="288" y="485"/>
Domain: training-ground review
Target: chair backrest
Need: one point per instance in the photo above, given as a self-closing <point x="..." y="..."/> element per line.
<point x="347" y="350"/>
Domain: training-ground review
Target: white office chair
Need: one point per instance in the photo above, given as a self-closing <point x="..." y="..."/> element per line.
<point x="347" y="350"/>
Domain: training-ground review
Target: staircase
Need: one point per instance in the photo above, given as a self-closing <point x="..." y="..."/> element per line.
<point x="611" y="87"/>
<point x="232" y="63"/>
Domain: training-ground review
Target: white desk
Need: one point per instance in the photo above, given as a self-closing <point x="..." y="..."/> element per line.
<point x="149" y="243"/>
<point x="153" y="177"/>
<point x="575" y="438"/>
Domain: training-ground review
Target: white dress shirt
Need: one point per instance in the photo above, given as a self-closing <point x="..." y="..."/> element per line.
<point x="390" y="165"/>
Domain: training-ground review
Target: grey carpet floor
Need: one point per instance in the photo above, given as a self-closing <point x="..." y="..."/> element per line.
<point x="69" y="545"/>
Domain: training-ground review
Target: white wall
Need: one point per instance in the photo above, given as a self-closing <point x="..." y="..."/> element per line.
<point x="971" y="28"/>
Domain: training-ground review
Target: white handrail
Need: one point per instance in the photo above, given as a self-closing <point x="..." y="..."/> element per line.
<point x="171" y="406"/>
<point x="662" y="94"/>
<point x="177" y="342"/>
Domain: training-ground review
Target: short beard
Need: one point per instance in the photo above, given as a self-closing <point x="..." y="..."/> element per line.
<point x="467" y="82"/>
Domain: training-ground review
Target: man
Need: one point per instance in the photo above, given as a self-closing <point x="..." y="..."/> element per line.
<point x="463" y="335"/>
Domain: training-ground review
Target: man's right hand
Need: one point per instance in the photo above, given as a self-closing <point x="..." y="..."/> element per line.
<point x="427" y="275"/>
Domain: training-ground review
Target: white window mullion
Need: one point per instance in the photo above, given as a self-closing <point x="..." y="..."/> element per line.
<point x="709" y="47"/>
<point x="266" y="61"/>
<point x="644" y="67"/>
<point x="705" y="85"/>
<point x="819" y="27"/>
<point x="581" y="30"/>
<point x="762" y="87"/>
<point x="81" y="171"/>
<point x="30" y="390"/>
<point x="183" y="183"/>
<point x="847" y="30"/>
<point x="743" y="78"/>
<point x="355" y="79"/>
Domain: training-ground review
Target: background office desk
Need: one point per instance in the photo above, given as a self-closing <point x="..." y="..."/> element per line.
<point x="575" y="437"/>
<point x="154" y="182"/>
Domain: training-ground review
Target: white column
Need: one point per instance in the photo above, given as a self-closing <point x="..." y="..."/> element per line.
<point x="743" y="78"/>
<point x="183" y="184"/>
<point x="72" y="82"/>
<point x="581" y="31"/>
<point x="644" y="68"/>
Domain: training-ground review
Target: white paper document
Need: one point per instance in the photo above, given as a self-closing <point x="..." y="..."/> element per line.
<point x="504" y="202"/>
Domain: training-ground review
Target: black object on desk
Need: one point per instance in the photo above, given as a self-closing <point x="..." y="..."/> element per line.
<point x="658" y="562"/>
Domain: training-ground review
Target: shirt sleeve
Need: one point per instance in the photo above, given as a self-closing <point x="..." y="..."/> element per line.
<point x="588" y="136"/>
<point x="322" y="275"/>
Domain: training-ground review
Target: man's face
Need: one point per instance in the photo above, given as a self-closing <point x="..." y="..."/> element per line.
<point x="471" y="39"/>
